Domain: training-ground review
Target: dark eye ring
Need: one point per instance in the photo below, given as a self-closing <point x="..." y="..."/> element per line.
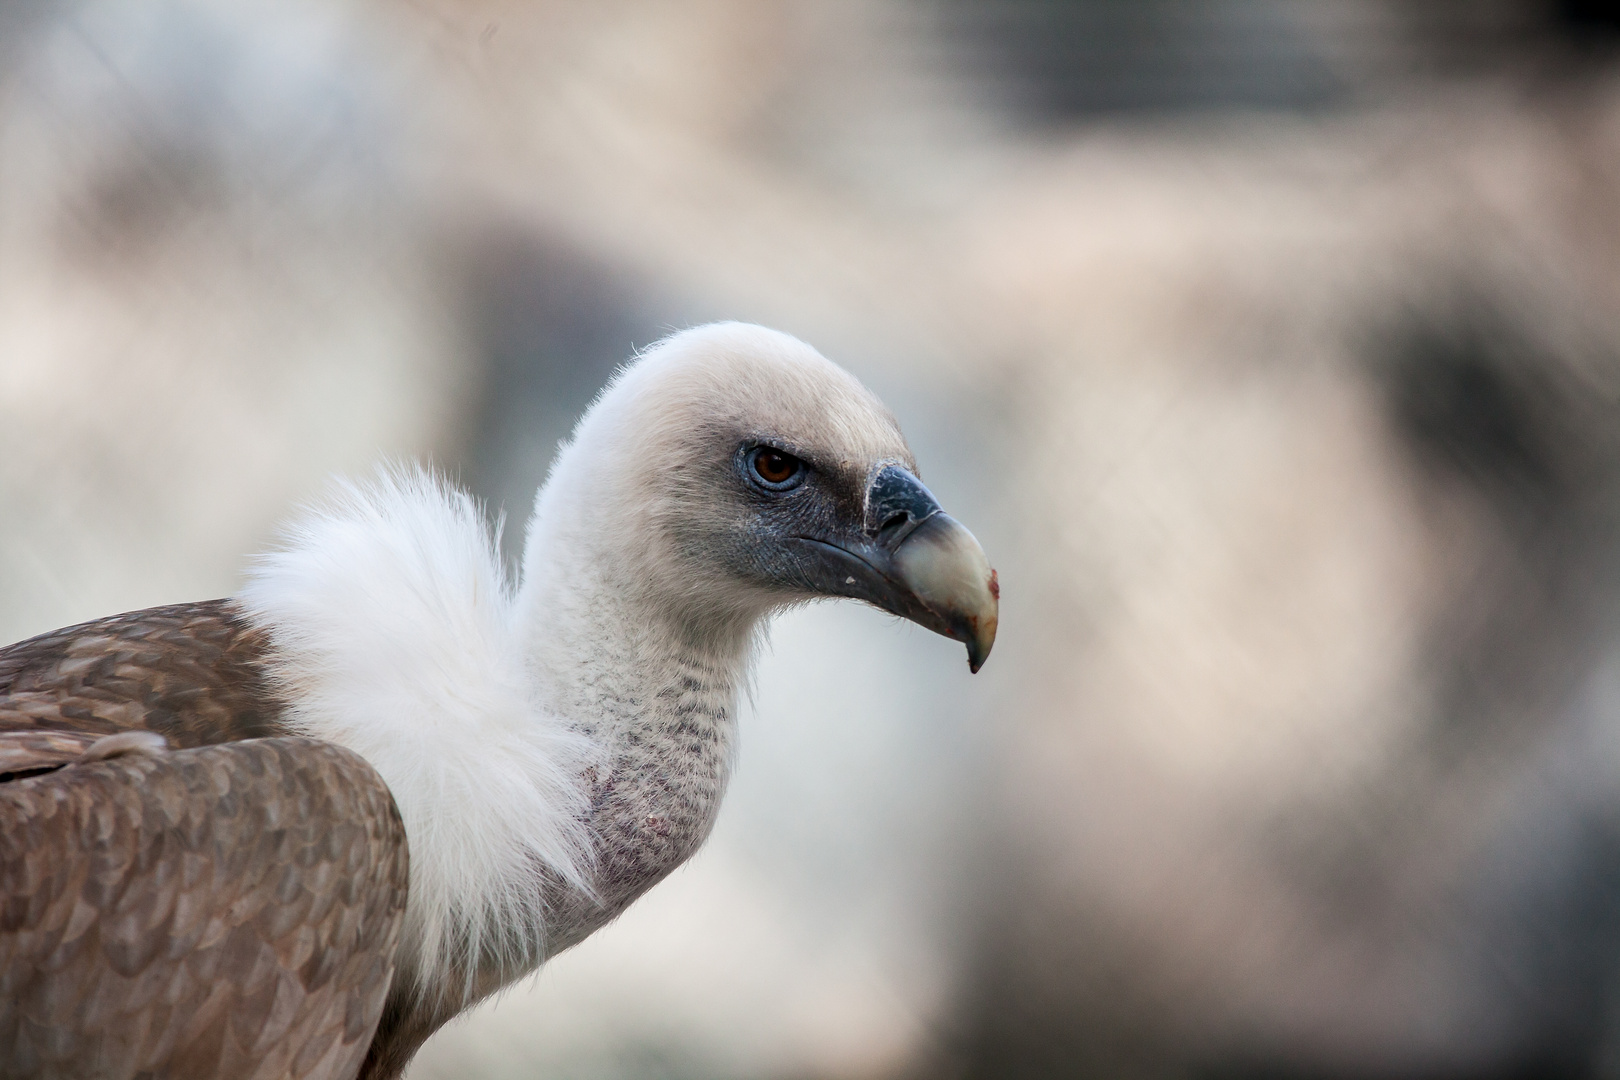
<point x="773" y="469"/>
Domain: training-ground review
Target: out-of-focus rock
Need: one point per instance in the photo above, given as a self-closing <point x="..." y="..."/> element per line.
<point x="1316" y="705"/>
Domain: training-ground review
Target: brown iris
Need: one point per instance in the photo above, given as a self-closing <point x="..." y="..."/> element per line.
<point x="774" y="467"/>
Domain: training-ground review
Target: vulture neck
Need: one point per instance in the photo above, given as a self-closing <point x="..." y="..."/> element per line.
<point x="652" y="687"/>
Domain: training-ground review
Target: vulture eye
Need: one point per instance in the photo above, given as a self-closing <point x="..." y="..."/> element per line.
<point x="775" y="469"/>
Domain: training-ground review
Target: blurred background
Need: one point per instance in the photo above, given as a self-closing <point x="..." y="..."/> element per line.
<point x="1271" y="347"/>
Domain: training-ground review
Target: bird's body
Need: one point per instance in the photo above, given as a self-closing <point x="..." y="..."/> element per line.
<point x="554" y="746"/>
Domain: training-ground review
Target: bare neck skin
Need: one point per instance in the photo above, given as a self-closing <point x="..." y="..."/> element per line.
<point x="652" y="685"/>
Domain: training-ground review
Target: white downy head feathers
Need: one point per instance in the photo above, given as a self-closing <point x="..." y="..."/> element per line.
<point x="632" y="490"/>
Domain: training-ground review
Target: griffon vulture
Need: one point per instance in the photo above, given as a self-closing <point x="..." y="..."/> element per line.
<point x="293" y="832"/>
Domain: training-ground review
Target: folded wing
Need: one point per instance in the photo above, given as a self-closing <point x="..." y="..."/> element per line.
<point x="224" y="911"/>
<point x="185" y="889"/>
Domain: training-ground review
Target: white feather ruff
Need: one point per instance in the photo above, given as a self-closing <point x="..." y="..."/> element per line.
<point x="395" y="635"/>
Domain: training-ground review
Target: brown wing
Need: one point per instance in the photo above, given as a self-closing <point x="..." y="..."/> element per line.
<point x="192" y="672"/>
<point x="228" y="911"/>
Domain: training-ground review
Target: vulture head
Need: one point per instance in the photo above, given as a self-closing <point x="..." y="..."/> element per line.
<point x="733" y="470"/>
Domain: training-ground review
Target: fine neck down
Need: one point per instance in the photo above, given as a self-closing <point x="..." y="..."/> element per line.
<point x="653" y="689"/>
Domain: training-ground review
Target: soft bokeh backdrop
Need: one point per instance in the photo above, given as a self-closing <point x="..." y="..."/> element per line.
<point x="1271" y="348"/>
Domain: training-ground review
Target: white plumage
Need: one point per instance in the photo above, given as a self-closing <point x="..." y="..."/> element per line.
<point x="397" y="635"/>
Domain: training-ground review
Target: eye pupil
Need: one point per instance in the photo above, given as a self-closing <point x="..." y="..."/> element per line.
<point x="775" y="467"/>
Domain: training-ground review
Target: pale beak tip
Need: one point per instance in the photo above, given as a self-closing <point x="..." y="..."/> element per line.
<point x="956" y="592"/>
<point x="984" y="629"/>
<point x="976" y="658"/>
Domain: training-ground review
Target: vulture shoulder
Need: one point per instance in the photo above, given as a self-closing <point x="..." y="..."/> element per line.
<point x="230" y="907"/>
<point x="193" y="673"/>
<point x="223" y="911"/>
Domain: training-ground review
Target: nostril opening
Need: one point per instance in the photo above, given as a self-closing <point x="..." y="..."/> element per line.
<point x="894" y="521"/>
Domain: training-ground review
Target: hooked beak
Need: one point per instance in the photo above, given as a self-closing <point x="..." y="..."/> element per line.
<point x="914" y="560"/>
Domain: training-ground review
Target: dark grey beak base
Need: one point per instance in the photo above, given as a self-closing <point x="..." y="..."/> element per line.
<point x="913" y="560"/>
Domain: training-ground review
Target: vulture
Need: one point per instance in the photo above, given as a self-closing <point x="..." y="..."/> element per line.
<point x="292" y="832"/>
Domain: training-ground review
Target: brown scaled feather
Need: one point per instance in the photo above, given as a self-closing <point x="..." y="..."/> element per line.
<point x="229" y="907"/>
<point x="227" y="911"/>
<point x="191" y="672"/>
